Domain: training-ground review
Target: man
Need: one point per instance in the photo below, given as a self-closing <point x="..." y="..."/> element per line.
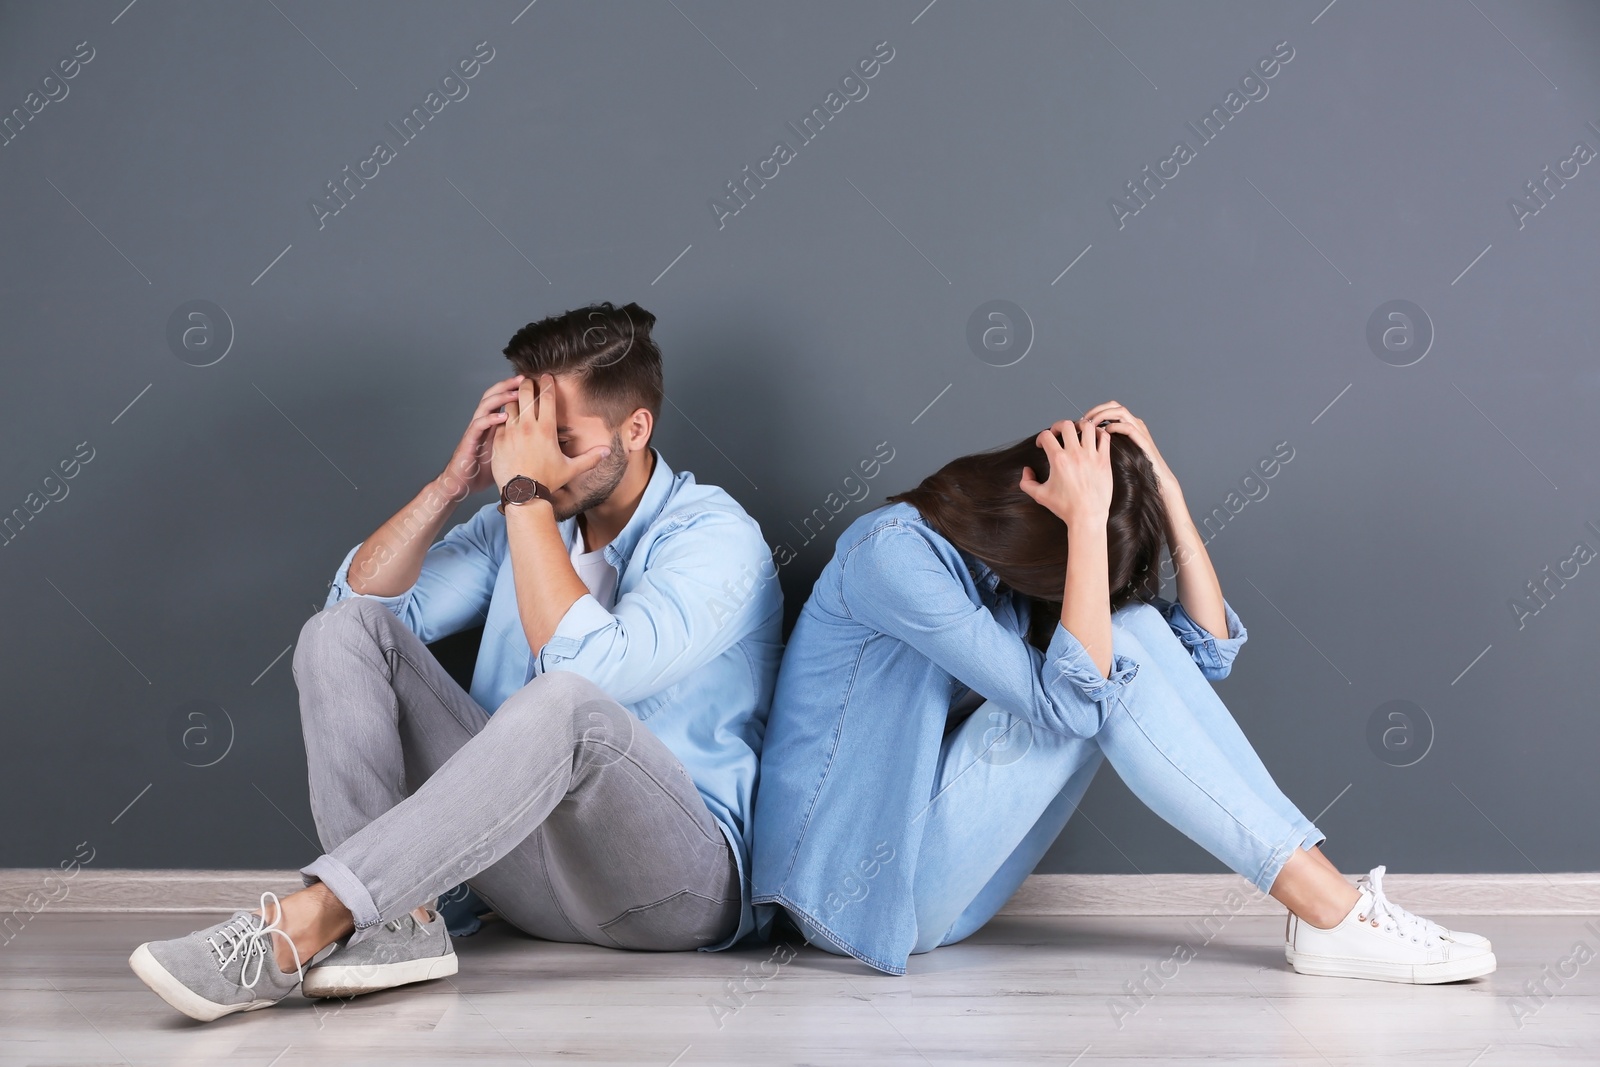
<point x="632" y="633"/>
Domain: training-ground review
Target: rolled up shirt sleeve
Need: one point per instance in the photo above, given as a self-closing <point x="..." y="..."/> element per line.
<point x="1213" y="655"/>
<point x="1072" y="663"/>
<point x="453" y="589"/>
<point x="708" y="583"/>
<point x="895" y="583"/>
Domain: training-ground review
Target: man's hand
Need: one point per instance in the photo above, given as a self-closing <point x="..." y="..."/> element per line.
<point x="469" y="470"/>
<point x="526" y="441"/>
<point x="1077" y="488"/>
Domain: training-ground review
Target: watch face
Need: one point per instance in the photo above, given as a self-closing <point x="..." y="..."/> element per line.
<point x="520" y="489"/>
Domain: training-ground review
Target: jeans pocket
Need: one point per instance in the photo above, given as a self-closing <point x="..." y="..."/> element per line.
<point x="684" y="920"/>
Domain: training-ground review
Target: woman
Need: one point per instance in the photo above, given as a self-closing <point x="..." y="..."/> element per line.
<point x="957" y="676"/>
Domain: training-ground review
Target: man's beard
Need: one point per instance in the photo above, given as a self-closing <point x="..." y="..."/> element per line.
<point x="595" y="485"/>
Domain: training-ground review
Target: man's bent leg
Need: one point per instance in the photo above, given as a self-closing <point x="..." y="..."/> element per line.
<point x="378" y="711"/>
<point x="569" y="817"/>
<point x="632" y="859"/>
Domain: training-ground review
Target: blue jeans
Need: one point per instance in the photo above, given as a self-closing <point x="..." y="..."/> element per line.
<point x="1005" y="789"/>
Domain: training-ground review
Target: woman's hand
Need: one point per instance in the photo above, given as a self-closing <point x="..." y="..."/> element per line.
<point x="1077" y="488"/>
<point x="1124" y="422"/>
<point x="1198" y="589"/>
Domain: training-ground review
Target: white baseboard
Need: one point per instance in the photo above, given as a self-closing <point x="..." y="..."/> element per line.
<point x="1206" y="894"/>
<point x="120" y="890"/>
<point x="111" y="889"/>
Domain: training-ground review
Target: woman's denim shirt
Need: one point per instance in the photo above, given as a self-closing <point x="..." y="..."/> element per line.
<point x="899" y="621"/>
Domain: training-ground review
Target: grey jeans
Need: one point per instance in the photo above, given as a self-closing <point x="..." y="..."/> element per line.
<point x="562" y="810"/>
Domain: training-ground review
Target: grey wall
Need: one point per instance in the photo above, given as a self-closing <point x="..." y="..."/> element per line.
<point x="1379" y="564"/>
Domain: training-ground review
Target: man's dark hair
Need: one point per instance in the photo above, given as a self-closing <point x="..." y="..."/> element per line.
<point x="607" y="348"/>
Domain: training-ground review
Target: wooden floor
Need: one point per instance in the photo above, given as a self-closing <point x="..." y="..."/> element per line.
<point x="1023" y="990"/>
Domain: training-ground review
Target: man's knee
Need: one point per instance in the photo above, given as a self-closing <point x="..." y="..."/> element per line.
<point x="329" y="630"/>
<point x="553" y="690"/>
<point x="571" y="706"/>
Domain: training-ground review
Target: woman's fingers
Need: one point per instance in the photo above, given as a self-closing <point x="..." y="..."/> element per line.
<point x="1051" y="444"/>
<point x="1114" y="413"/>
<point x="1088" y="434"/>
<point x="1064" y="427"/>
<point x="1099" y="410"/>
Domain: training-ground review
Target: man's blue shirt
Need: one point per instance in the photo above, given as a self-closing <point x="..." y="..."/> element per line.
<point x="691" y="646"/>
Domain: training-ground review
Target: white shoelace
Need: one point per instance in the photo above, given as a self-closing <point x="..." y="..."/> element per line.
<point x="1382" y="908"/>
<point x="252" y="936"/>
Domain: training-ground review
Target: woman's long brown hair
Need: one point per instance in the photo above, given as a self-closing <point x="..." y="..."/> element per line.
<point x="977" y="504"/>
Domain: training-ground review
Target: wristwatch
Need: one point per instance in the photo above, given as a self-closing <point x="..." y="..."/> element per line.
<point x="520" y="490"/>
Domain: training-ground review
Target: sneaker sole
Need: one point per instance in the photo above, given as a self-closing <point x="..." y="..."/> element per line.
<point x="168" y="988"/>
<point x="1414" y="973"/>
<point x="1288" y="950"/>
<point x="332" y="981"/>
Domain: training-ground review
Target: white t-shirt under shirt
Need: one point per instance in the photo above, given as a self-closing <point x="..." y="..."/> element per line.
<point x="597" y="574"/>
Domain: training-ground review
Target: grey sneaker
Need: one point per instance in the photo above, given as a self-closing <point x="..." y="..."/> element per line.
<point x="398" y="952"/>
<point x="222" y="969"/>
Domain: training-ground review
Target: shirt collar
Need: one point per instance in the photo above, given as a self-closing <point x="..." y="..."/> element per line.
<point x="656" y="491"/>
<point x="982" y="575"/>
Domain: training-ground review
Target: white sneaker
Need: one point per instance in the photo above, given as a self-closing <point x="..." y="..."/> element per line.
<point x="1374" y="877"/>
<point x="1381" y="940"/>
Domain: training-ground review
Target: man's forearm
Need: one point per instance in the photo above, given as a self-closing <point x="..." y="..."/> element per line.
<point x="541" y="569"/>
<point x="389" y="561"/>
<point x="1198" y="589"/>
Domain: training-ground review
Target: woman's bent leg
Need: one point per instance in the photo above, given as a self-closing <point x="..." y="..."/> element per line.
<point x="1171" y="761"/>
<point x="1002" y="792"/>
<point x="1162" y="648"/>
<point x="1023" y="859"/>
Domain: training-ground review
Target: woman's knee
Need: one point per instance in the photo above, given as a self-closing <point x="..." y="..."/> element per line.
<point x="1140" y="617"/>
<point x="1140" y="631"/>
